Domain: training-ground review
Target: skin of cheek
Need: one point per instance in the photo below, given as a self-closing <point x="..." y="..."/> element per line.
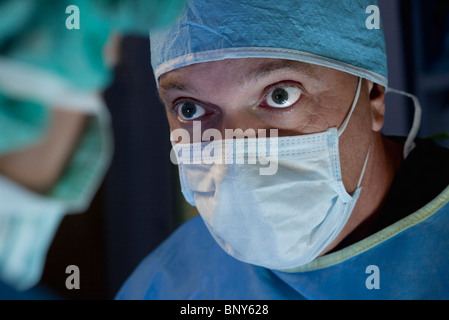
<point x="212" y="122"/>
<point x="355" y="141"/>
<point x="326" y="103"/>
<point x="174" y="124"/>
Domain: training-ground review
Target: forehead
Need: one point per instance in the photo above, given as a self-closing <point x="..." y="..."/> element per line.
<point x="241" y="71"/>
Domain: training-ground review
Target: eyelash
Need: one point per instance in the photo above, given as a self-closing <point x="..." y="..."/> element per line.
<point x="180" y="102"/>
<point x="284" y="84"/>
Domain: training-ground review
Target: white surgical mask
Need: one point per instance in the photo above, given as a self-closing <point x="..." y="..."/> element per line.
<point x="278" y="221"/>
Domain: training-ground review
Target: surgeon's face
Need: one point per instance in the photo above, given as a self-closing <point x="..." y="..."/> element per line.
<point x="295" y="98"/>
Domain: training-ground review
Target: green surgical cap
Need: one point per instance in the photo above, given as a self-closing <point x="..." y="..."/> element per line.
<point x="330" y="33"/>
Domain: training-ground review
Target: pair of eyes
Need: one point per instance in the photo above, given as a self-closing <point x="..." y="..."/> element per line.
<point x="278" y="97"/>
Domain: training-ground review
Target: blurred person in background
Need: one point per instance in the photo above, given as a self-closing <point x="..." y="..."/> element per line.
<point x="56" y="58"/>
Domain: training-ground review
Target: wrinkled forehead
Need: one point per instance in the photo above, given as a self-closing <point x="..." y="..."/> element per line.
<point x="243" y="72"/>
<point x="327" y="33"/>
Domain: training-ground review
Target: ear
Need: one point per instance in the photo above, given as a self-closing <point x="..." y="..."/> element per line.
<point x="377" y="104"/>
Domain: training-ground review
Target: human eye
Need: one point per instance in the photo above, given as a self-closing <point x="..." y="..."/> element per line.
<point x="282" y="96"/>
<point x="188" y="110"/>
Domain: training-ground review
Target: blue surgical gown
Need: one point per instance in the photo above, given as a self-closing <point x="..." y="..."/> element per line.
<point x="408" y="259"/>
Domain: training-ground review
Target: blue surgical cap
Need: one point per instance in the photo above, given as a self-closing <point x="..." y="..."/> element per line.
<point x="330" y="33"/>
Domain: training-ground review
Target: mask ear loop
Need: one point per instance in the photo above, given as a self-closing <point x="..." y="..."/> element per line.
<point x="364" y="168"/>
<point x="345" y="123"/>
<point x="354" y="103"/>
<point x="410" y="142"/>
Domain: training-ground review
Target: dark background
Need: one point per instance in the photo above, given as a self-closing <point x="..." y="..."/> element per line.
<point x="138" y="205"/>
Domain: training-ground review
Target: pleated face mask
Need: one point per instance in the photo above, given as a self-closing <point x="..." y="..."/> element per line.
<point x="278" y="216"/>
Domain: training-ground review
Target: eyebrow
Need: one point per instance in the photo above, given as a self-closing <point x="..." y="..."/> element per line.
<point x="173" y="85"/>
<point x="280" y="66"/>
<point x="255" y="74"/>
